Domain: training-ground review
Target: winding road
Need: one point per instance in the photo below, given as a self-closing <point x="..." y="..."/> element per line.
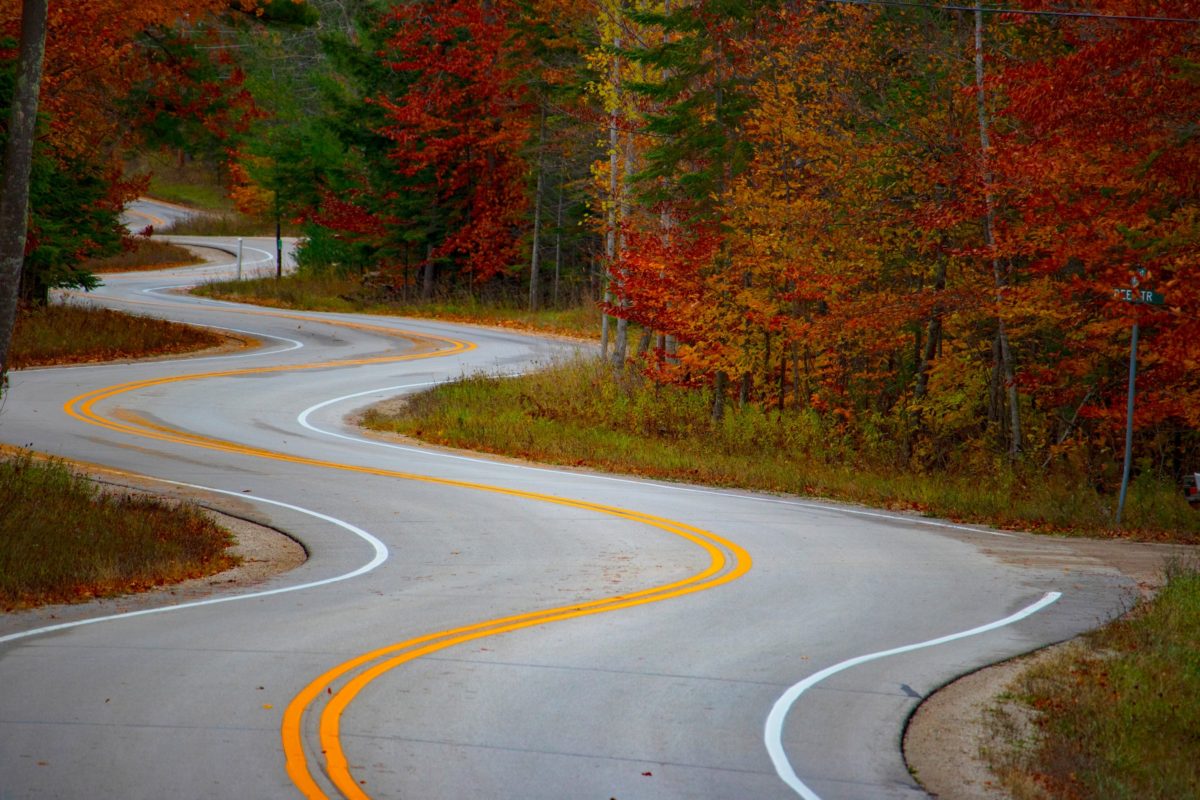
<point x="477" y="628"/>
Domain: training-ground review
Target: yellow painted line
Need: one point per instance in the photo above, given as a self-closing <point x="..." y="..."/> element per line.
<point x="156" y="221"/>
<point x="720" y="570"/>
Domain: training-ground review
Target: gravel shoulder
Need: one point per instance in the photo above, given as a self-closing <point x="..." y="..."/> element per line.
<point x="946" y="736"/>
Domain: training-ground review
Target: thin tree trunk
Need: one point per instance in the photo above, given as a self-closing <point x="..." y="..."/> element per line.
<point x="621" y="342"/>
<point x="644" y="342"/>
<point x="537" y="216"/>
<point x="558" y="240"/>
<point x="933" y="335"/>
<point x="998" y="277"/>
<point x="720" y="381"/>
<point x="427" y="287"/>
<point x="783" y="365"/>
<point x="610" y="239"/>
<point x="18" y="161"/>
<point x="797" y="400"/>
<point x="621" y="346"/>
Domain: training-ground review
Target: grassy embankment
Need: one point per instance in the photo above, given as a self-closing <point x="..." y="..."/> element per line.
<point x="200" y="186"/>
<point x="1115" y="716"/>
<point x="577" y="413"/>
<point x="62" y="540"/>
<point x="333" y="293"/>
<point x="188" y="182"/>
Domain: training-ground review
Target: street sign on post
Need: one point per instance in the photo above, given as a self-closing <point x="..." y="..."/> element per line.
<point x="1137" y="295"/>
<point x="1140" y="296"/>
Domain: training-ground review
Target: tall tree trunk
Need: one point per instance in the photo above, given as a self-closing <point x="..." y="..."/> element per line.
<point x="998" y="278"/>
<point x="537" y="216"/>
<point x="18" y="161"/>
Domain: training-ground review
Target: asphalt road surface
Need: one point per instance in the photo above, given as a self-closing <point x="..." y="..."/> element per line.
<point x="472" y="628"/>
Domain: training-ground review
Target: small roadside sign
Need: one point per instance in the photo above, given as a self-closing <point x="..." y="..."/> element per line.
<point x="1145" y="296"/>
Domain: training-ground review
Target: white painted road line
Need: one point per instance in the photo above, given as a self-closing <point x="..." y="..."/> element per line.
<point x="381" y="555"/>
<point x="773" y="735"/>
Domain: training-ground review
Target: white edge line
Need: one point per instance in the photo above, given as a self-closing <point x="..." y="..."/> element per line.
<point x="303" y="420"/>
<point x="773" y="731"/>
<point x="295" y="345"/>
<point x="381" y="555"/>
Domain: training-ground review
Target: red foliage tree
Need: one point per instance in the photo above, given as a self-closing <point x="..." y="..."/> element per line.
<point x="459" y="125"/>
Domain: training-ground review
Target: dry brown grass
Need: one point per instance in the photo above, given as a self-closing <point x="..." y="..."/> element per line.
<point x="146" y="254"/>
<point x="63" y="541"/>
<point x="70" y="334"/>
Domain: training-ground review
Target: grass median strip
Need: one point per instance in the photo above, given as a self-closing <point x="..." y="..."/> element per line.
<point x="64" y="540"/>
<point x="69" y="334"/>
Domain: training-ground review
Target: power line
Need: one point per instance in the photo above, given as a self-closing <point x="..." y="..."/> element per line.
<point x="1019" y="11"/>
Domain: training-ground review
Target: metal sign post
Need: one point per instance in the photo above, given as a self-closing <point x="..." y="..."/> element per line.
<point x="1138" y="297"/>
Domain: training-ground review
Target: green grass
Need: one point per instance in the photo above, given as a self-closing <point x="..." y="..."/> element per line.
<point x="580" y="413"/>
<point x="67" y="333"/>
<point x="308" y="293"/>
<point x="146" y="254"/>
<point x="194" y="195"/>
<point x="1118" y="718"/>
<point x="62" y="540"/>
<point x="197" y="183"/>
<point x="334" y="293"/>
<point x="225" y="223"/>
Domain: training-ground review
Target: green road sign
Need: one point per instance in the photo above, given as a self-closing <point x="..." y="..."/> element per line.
<point x="1138" y="296"/>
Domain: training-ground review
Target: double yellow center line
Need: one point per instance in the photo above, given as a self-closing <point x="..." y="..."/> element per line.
<point x="727" y="561"/>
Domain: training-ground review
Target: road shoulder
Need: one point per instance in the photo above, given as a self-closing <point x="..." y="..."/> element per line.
<point x="947" y="735"/>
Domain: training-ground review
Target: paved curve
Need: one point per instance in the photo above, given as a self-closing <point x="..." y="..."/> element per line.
<point x="652" y="672"/>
